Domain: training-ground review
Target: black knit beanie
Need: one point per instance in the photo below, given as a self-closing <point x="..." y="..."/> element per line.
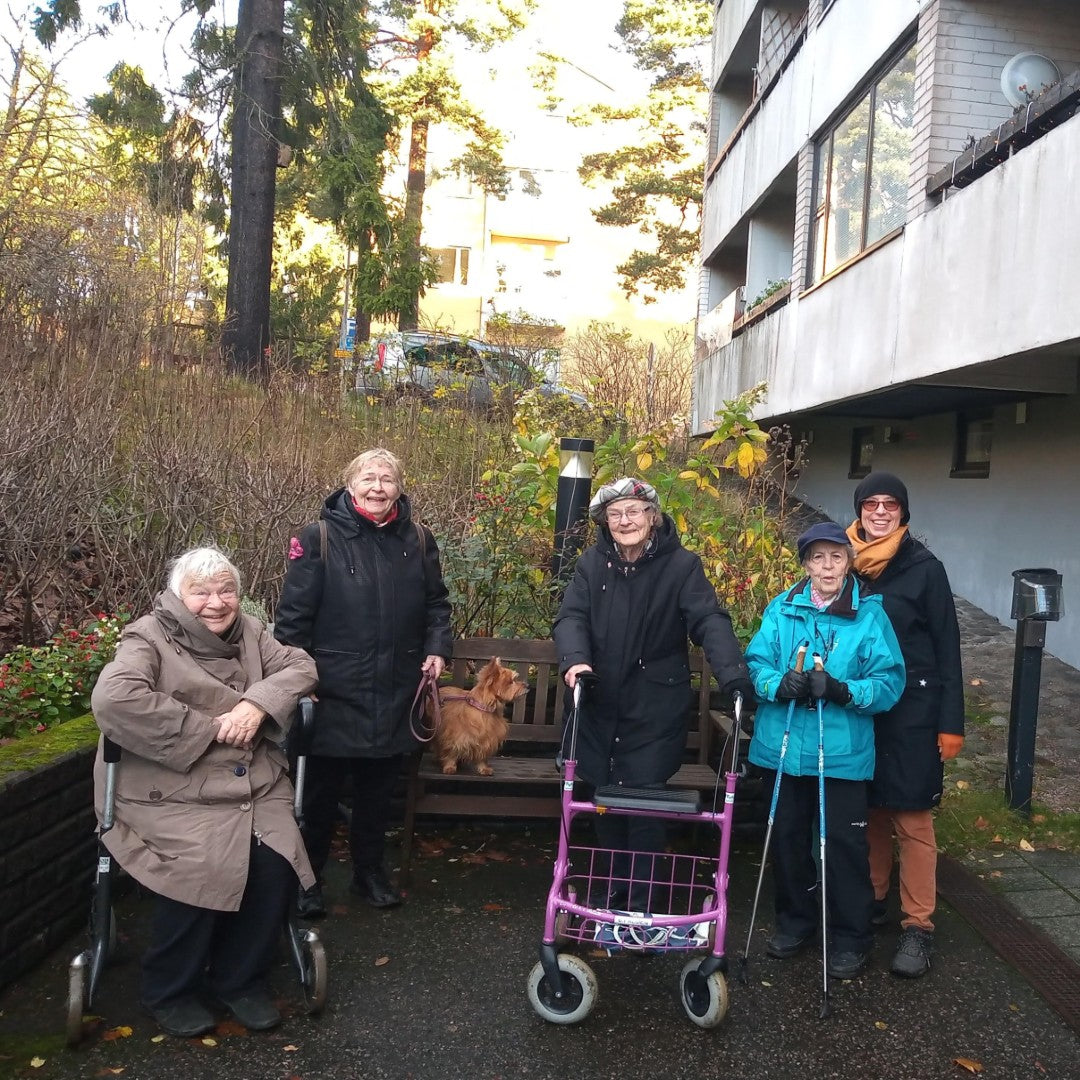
<point x="883" y="483"/>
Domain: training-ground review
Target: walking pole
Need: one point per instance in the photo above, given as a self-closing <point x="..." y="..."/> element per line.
<point x="800" y="660"/>
<point x="826" y="1007"/>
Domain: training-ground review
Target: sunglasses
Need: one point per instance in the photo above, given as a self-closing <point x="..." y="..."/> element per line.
<point x="868" y="506"/>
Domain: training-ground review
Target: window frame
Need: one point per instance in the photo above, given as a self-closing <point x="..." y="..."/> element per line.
<point x="963" y="466"/>
<point x="860" y="436"/>
<point x="460" y="277"/>
<point x="822" y="174"/>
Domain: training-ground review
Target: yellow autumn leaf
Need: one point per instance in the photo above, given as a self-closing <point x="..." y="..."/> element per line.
<point x="967" y="1063"/>
<point x="1025" y="846"/>
<point x="157" y="1038"/>
<point x="688" y="474"/>
<point x="962" y="784"/>
<point x="644" y="461"/>
<point x="680" y="522"/>
<point x="881" y="1025"/>
<point x="36" y="1062"/>
<point x="997" y="840"/>
<point x="209" y="1042"/>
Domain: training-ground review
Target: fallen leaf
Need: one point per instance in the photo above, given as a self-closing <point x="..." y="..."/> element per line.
<point x="474" y="858"/>
<point x="1038" y="819"/>
<point x="290" y="1047"/>
<point x="962" y="784"/>
<point x="1014" y="1007"/>
<point x="338" y="909"/>
<point x="881" y="1025"/>
<point x="36" y="1062"/>
<point x="975" y="682"/>
<point x="382" y="961"/>
<point x="967" y="1063"/>
<point x="996" y="839"/>
<point x="1025" y="846"/>
<point x="121" y="1032"/>
<point x="157" y="1038"/>
<point x="493" y="907"/>
<point x="981" y="823"/>
<point x="498" y="856"/>
<point x="208" y="1041"/>
<point x="765" y="982"/>
<point x="110" y="1071"/>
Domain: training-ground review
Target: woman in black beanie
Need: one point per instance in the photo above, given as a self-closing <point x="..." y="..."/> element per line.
<point x="926" y="727"/>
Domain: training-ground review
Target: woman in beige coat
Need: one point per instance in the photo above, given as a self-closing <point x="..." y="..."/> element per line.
<point x="197" y="697"/>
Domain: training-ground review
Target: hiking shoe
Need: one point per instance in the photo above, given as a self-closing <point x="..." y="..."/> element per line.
<point x="785" y="946"/>
<point x="254" y="1010"/>
<point x="310" y="903"/>
<point x="374" y="886"/>
<point x="185" y="1017"/>
<point x="879" y="913"/>
<point x="845" y="965"/>
<point x="912" y="957"/>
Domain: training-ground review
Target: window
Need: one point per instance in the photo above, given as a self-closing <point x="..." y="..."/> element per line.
<point x="453" y="265"/>
<point x="861" y="170"/>
<point x="862" y="452"/>
<point x="974" y="434"/>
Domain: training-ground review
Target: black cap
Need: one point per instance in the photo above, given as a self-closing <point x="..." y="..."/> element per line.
<point x="883" y="483"/>
<point x="823" y="530"/>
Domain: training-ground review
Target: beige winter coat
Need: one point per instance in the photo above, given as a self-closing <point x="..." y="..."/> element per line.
<point x="187" y="806"/>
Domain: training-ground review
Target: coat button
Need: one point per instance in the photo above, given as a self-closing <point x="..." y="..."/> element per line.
<point x="245" y="806"/>
<point x="240" y="770"/>
<point x="155" y="795"/>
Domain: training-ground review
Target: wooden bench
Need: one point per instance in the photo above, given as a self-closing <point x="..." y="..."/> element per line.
<point x="525" y="783"/>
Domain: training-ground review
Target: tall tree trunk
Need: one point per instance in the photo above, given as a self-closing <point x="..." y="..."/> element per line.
<point x="363" y="316"/>
<point x="245" y="336"/>
<point x="409" y="315"/>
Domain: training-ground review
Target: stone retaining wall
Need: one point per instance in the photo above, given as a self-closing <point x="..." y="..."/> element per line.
<point x="47" y="847"/>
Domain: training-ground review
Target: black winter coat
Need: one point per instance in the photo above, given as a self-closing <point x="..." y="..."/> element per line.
<point x="919" y="602"/>
<point x="630" y="623"/>
<point x="370" y="610"/>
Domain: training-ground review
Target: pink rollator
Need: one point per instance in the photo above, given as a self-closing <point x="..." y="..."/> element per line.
<point x="686" y="905"/>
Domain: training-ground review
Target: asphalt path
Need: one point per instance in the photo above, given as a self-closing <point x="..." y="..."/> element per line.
<point x="435" y="990"/>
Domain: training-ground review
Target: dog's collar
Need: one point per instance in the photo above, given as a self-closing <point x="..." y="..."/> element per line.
<point x="456" y="694"/>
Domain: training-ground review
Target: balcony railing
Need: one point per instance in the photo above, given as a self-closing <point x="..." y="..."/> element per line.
<point x="1051" y="108"/>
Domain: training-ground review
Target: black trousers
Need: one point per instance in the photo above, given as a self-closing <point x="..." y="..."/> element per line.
<point x="849" y="894"/>
<point x="226" y="953"/>
<point x="372" y="787"/>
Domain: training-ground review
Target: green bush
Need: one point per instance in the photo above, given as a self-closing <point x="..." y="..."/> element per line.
<point x="47" y="684"/>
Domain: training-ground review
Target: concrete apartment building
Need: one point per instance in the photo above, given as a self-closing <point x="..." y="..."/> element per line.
<point x="918" y="237"/>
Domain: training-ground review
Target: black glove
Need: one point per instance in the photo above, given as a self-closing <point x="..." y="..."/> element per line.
<point x="741" y="685"/>
<point x="793" y="686"/>
<point x="824" y="687"/>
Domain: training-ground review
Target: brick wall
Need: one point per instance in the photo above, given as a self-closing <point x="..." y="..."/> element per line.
<point x="47" y="850"/>
<point x="969" y="42"/>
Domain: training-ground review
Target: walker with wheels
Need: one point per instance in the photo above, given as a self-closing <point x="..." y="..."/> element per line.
<point x="689" y="893"/>
<point x="84" y="973"/>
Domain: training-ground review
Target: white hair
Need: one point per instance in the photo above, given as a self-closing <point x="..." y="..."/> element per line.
<point x="200" y="564"/>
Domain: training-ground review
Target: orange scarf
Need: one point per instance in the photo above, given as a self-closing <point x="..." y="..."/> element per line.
<point x="872" y="556"/>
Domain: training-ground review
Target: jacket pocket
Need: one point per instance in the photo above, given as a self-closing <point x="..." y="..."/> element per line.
<point x="668" y="670"/>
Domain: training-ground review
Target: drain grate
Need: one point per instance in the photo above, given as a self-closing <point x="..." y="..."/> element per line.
<point x="1052" y="972"/>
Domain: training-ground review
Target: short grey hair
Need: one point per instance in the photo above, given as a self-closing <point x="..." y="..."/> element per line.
<point x="361" y="461"/>
<point x="200" y="564"/>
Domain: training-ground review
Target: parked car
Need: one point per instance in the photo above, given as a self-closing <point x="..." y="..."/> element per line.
<point x="460" y="370"/>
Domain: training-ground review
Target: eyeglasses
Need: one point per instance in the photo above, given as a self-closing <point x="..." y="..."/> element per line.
<point x="615" y="516"/>
<point x="868" y="506"/>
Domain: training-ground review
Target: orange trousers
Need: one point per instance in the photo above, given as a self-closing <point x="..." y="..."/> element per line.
<point x="913" y="831"/>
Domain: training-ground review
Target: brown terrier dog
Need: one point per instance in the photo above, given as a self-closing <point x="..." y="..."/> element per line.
<point x="473" y="726"/>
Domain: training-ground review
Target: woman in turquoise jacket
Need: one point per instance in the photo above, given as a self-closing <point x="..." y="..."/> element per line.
<point x="863" y="674"/>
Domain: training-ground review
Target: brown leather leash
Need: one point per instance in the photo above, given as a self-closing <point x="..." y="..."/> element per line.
<point x="428" y="690"/>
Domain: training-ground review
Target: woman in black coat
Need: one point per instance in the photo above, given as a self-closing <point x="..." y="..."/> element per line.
<point x="364" y="594"/>
<point x="926" y="727"/>
<point x="636" y="596"/>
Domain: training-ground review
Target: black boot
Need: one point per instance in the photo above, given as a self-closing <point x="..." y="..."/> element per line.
<point x="310" y="903"/>
<point x="373" y="884"/>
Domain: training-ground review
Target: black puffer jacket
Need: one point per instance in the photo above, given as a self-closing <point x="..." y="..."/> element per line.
<point x="369" y="609"/>
<point x="630" y="622"/>
<point x="918" y="600"/>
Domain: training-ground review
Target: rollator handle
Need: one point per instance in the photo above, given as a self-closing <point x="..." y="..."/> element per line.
<point x="111" y="751"/>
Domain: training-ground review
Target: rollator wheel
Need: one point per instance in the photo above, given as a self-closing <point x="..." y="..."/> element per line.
<point x="704" y="997"/>
<point x="315" y="976"/>
<point x="77" y="976"/>
<point x="579" y="999"/>
<point x="562" y="920"/>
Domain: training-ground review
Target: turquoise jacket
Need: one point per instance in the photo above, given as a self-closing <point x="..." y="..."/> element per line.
<point x="857" y="644"/>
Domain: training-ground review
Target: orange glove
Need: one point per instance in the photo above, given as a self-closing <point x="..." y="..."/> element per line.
<point x="949" y="745"/>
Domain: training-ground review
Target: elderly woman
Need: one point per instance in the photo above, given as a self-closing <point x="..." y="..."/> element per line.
<point x="926" y="728"/>
<point x="637" y="595"/>
<point x="364" y="594"/>
<point x="197" y="697"/>
<point x="863" y="674"/>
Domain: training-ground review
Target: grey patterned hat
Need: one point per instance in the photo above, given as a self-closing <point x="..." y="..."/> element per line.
<point x="625" y="488"/>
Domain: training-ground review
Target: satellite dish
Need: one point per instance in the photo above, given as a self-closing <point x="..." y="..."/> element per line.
<point x="1026" y="76"/>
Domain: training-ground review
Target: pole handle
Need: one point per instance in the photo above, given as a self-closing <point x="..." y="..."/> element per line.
<point x="800" y="656"/>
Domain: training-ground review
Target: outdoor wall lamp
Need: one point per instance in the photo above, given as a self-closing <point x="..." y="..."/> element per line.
<point x="571" y="503"/>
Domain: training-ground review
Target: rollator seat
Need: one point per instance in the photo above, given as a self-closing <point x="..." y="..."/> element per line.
<point x="658" y="800"/>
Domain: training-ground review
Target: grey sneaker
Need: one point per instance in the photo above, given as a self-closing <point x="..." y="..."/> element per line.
<point x="912" y="957"/>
